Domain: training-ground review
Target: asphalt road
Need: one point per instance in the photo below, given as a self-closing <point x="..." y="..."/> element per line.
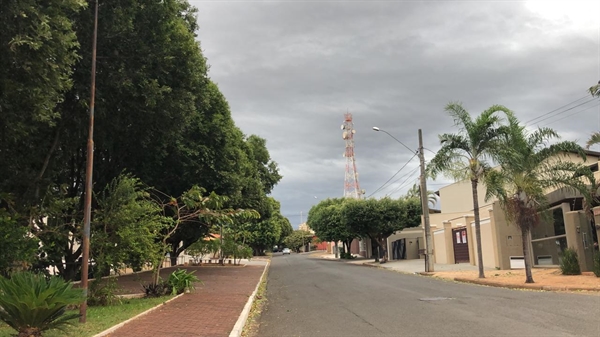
<point x="315" y="297"/>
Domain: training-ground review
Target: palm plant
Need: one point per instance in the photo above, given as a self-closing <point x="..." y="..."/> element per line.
<point x="415" y="192"/>
<point x="529" y="169"/>
<point x="30" y="303"/>
<point x="463" y="155"/>
<point x="595" y="137"/>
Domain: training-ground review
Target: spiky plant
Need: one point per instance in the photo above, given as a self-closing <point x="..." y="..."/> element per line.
<point x="465" y="154"/>
<point x="529" y="168"/>
<point x="30" y="303"/>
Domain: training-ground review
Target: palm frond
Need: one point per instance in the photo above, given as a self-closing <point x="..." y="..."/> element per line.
<point x="461" y="117"/>
<point x="594" y="139"/>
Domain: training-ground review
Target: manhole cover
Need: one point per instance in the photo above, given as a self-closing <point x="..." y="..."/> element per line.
<point x="430" y="299"/>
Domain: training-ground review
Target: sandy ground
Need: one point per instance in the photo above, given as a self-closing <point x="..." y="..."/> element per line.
<point x="549" y="278"/>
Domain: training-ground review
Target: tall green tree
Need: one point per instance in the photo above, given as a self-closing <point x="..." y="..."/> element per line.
<point x="380" y="218"/>
<point x="465" y="154"/>
<point x="325" y="219"/>
<point x="297" y="239"/>
<point x="529" y="168"/>
<point x="38" y="48"/>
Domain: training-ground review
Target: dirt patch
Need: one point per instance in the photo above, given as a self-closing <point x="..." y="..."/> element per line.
<point x="547" y="279"/>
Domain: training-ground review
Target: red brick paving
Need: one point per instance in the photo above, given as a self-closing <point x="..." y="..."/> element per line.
<point x="210" y="311"/>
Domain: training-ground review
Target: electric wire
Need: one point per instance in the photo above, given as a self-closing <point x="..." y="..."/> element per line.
<point x="575" y="113"/>
<point x="392" y="177"/>
<point x="548" y="113"/>
<point x="404" y="184"/>
<point x="399" y="178"/>
<point x="559" y="113"/>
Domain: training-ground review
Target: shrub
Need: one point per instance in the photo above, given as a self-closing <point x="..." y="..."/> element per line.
<point x="597" y="264"/>
<point x="31" y="303"/>
<point x="159" y="289"/>
<point x="180" y="281"/>
<point x="569" y="265"/>
<point x="103" y="293"/>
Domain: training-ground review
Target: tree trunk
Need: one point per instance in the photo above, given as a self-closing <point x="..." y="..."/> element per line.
<point x="526" y="257"/>
<point x="173" y="255"/>
<point x="477" y="227"/>
<point x="383" y="245"/>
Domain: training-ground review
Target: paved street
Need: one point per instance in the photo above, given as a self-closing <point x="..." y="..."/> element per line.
<point x="315" y="297"/>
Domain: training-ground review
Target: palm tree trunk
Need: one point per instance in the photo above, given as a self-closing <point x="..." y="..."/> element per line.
<point x="477" y="228"/>
<point x="525" y="240"/>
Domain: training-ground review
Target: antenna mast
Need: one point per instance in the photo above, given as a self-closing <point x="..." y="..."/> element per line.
<point x="351" y="187"/>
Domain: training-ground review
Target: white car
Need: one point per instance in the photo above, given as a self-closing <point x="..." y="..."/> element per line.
<point x="286" y="251"/>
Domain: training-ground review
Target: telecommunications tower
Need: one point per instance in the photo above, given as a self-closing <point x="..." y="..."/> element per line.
<point x="351" y="187"/>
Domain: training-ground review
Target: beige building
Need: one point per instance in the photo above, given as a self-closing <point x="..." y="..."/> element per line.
<point x="453" y="230"/>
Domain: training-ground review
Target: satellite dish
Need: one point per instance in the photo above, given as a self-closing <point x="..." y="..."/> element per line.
<point x="343" y="155"/>
<point x="342" y="127"/>
<point x="353" y="131"/>
<point x="345" y="135"/>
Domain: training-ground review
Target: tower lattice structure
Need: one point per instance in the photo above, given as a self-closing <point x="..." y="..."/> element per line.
<point x="351" y="186"/>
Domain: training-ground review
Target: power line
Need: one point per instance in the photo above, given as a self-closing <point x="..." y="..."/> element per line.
<point x="392" y="177"/>
<point x="405" y="183"/>
<point x="400" y="178"/>
<point x="575" y="113"/>
<point x="561" y="112"/>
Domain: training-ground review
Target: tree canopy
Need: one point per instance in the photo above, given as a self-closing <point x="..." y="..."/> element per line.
<point x="161" y="127"/>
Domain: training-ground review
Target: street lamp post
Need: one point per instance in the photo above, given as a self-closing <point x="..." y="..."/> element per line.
<point x="85" y="242"/>
<point x="424" y="204"/>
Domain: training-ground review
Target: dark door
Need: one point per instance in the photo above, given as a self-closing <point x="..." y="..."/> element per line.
<point x="461" y="246"/>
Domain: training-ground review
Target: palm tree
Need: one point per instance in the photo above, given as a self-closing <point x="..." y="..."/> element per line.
<point x="526" y="174"/>
<point x="463" y="155"/>
<point x="415" y="192"/>
<point x="595" y="137"/>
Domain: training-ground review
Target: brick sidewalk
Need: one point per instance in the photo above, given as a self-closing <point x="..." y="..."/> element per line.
<point x="210" y="311"/>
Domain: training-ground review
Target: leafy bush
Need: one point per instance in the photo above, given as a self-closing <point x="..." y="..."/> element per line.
<point x="201" y="248"/>
<point x="31" y="303"/>
<point x="180" y="281"/>
<point x="159" y="289"/>
<point x="597" y="264"/>
<point x="103" y="293"/>
<point x="569" y="265"/>
<point x="347" y="256"/>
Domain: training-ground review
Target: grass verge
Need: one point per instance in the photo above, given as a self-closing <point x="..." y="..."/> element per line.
<point x="99" y="318"/>
<point x="252" y="324"/>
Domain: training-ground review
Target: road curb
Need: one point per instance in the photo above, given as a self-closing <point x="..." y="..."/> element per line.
<point x="524" y="286"/>
<point x="115" y="327"/>
<point x="241" y="322"/>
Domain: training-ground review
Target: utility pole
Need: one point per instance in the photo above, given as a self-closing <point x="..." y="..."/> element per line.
<point x="88" y="181"/>
<point x="425" y="207"/>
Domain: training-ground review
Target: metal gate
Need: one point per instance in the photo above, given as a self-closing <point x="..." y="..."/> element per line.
<point x="461" y="246"/>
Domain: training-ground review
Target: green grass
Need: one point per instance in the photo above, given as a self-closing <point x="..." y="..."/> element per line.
<point x="99" y="318"/>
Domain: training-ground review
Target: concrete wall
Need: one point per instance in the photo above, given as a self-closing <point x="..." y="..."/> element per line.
<point x="579" y="238"/>
<point x="508" y="238"/>
<point x="414" y="239"/>
<point x="458" y="197"/>
<point x="488" y="246"/>
<point x="440" y="247"/>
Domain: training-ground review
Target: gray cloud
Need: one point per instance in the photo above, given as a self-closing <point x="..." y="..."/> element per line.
<point x="291" y="69"/>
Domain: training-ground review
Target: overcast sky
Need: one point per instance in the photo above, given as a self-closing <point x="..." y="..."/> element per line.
<point x="291" y="69"/>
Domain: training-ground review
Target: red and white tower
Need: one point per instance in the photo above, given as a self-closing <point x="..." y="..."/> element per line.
<point x="351" y="187"/>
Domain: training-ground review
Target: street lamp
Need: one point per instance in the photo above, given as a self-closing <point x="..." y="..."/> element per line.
<point x="424" y="205"/>
<point x="87" y="203"/>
